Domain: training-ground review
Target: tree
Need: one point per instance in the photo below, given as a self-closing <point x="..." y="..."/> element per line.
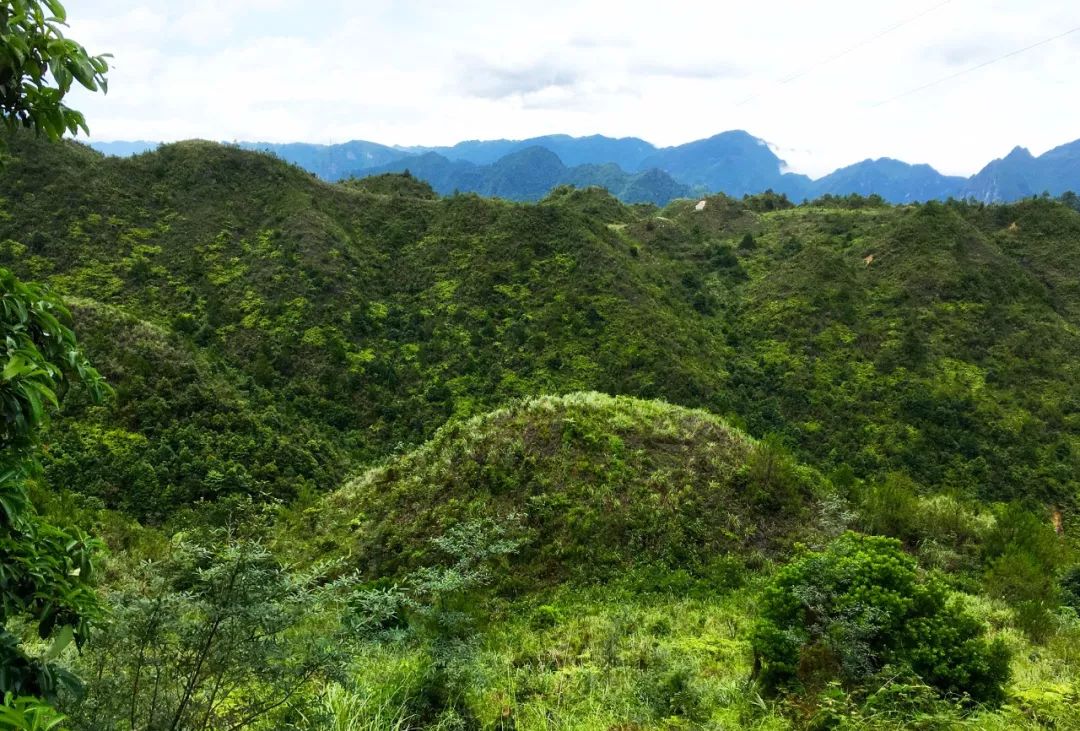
<point x="45" y="571"/>
<point x="440" y="605"/>
<point x="217" y="635"/>
<point x="859" y="608"/>
<point x="1024" y="557"/>
<point x="38" y="66"/>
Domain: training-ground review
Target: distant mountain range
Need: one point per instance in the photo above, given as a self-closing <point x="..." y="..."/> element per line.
<point x="735" y="162"/>
<point x="530" y="173"/>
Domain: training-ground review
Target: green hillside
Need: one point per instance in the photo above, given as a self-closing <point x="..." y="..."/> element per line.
<point x="606" y="558"/>
<point x="367" y="319"/>
<point x="950" y="355"/>
<point x="580" y="562"/>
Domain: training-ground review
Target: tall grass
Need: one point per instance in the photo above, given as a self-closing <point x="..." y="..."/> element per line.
<point x="359" y="710"/>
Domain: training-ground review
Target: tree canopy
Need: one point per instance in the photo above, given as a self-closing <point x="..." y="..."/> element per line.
<point x="45" y="571"/>
<point x="39" y="65"/>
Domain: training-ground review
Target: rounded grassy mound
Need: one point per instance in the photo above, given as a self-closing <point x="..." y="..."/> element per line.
<point x="588" y="483"/>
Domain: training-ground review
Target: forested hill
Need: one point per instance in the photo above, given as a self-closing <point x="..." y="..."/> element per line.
<point x="269" y="332"/>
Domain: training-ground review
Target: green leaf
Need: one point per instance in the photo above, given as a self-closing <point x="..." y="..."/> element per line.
<point x="60" y="643"/>
<point x="82" y="71"/>
<point x="57" y="9"/>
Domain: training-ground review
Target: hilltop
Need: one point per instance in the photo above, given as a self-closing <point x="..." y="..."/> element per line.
<point x="1020" y="174"/>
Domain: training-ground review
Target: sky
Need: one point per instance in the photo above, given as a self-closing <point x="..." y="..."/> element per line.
<point x="818" y="80"/>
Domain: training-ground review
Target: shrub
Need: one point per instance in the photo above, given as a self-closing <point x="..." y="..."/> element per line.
<point x="672" y="694"/>
<point x="439" y="602"/>
<point x="1070" y="588"/>
<point x="945" y="530"/>
<point x="438" y="608"/>
<point x="771" y="478"/>
<point x="891" y="508"/>
<point x="1023" y="557"/>
<point x="1017" y="529"/>
<point x="850" y="611"/>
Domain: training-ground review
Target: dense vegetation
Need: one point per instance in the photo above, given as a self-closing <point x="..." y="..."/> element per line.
<point x="358" y="470"/>
<point x="858" y="609"/>
<point x="304" y="328"/>
<point x="46" y="570"/>
<point x="332" y="323"/>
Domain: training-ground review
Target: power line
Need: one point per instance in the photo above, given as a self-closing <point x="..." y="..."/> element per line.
<point x="982" y="65"/>
<point x="847" y="51"/>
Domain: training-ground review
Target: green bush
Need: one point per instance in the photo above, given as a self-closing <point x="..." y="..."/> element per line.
<point x="218" y="634"/>
<point x="860" y="606"/>
<point x="771" y="478"/>
<point x="945" y="531"/>
<point x="672" y="693"/>
<point x="438" y="609"/>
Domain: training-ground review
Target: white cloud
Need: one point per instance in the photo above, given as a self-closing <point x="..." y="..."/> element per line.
<point x="411" y="72"/>
<point x="496" y="80"/>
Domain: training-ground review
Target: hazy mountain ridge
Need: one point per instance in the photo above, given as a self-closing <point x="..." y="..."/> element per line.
<point x="627" y="152"/>
<point x="733" y="162"/>
<point x="529" y="174"/>
<point x="330" y="162"/>
<point x="1020" y="174"/>
<point x="894" y="180"/>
